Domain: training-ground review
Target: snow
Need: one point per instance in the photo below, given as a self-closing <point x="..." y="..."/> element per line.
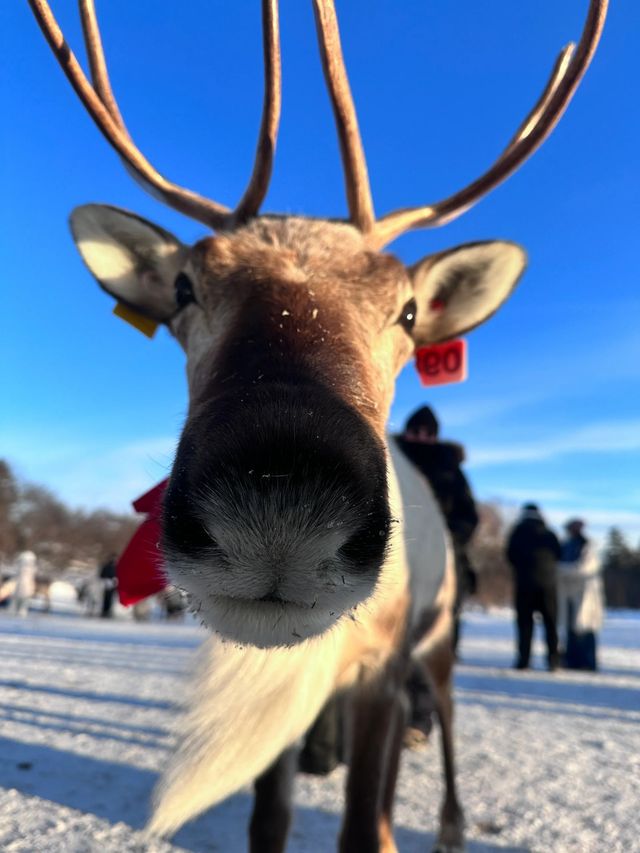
<point x="546" y="762"/>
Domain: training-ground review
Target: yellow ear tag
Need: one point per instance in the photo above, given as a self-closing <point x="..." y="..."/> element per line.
<point x="138" y="321"/>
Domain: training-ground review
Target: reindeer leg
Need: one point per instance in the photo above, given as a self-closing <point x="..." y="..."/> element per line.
<point x="385" y="833"/>
<point x="375" y="750"/>
<point x="271" y="814"/>
<point x="439" y="665"/>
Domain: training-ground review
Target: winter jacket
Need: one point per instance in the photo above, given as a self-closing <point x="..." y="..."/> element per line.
<point x="108" y="571"/>
<point x="533" y="550"/>
<point x="440" y="463"/>
<point x="580" y="587"/>
<point x="26" y="565"/>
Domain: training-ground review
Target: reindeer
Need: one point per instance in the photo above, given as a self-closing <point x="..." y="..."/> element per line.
<point x="308" y="544"/>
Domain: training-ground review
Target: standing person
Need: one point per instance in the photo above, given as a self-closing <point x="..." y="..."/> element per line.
<point x="580" y="598"/>
<point x="26" y="565"/>
<point x="108" y="576"/>
<point x="440" y="463"/>
<point x="533" y="550"/>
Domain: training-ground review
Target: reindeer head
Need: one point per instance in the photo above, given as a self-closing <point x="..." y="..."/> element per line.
<point x="277" y="517"/>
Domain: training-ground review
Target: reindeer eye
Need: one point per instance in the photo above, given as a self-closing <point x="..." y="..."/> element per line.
<point x="184" y="290"/>
<point x="407" y="318"/>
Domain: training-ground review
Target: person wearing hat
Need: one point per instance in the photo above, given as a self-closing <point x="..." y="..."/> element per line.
<point x="440" y="462"/>
<point x="533" y="550"/>
<point x="580" y="597"/>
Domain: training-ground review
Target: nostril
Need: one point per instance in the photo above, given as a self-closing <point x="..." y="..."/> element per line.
<point x="366" y="547"/>
<point x="187" y="532"/>
<point x="272" y="598"/>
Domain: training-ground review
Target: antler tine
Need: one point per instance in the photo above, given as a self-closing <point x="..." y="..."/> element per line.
<point x="97" y="63"/>
<point x="353" y="159"/>
<point x="557" y="75"/>
<point x="111" y="126"/>
<point x="101" y="82"/>
<point x="565" y="79"/>
<point x="259" y="183"/>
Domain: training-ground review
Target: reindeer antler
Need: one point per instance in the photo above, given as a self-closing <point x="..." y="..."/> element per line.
<point x="102" y="106"/>
<point x="565" y="78"/>
<point x="99" y="101"/>
<point x="354" y="162"/>
<point x="563" y="83"/>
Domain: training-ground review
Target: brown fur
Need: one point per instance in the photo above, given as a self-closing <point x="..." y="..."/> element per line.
<point x="339" y="297"/>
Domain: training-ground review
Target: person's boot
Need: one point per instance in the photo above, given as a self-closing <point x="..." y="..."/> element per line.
<point x="422" y="708"/>
<point x="321" y="752"/>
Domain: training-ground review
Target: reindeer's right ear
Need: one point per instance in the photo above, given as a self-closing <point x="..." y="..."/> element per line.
<point x="460" y="288"/>
<point x="132" y="259"/>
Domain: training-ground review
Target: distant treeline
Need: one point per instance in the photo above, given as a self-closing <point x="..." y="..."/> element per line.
<point x="488" y="558"/>
<point x="32" y="518"/>
<point x="621" y="572"/>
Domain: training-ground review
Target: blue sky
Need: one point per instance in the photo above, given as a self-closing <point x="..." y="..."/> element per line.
<point x="551" y="410"/>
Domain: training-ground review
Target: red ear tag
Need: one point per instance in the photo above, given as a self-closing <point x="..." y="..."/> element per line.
<point x="441" y="364"/>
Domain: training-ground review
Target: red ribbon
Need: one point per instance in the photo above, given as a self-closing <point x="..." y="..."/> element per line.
<point x="140" y="570"/>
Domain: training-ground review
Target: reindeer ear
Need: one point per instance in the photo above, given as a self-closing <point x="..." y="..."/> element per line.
<point x="132" y="259"/>
<point x="459" y="289"/>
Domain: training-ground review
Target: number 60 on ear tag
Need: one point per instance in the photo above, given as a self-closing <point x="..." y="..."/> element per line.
<point x="440" y="364"/>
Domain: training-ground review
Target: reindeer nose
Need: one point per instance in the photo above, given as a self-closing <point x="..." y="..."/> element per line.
<point x="291" y="477"/>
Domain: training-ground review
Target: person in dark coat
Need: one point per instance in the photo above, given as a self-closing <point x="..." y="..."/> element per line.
<point x="533" y="550"/>
<point x="440" y="461"/>
<point x="108" y="576"/>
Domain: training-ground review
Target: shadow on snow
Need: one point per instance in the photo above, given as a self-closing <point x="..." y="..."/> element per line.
<point x="122" y="793"/>
<point x="551" y="689"/>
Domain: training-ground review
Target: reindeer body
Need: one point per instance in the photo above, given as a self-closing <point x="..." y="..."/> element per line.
<point x="231" y="734"/>
<point x="301" y="534"/>
<point x="284" y="516"/>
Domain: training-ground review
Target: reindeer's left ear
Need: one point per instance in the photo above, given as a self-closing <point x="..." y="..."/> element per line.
<point x="459" y="289"/>
<point x="132" y="259"/>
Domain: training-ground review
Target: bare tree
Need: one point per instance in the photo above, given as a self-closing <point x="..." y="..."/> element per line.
<point x="487" y="553"/>
<point x="32" y="517"/>
<point x="8" y="499"/>
<point x="621" y="567"/>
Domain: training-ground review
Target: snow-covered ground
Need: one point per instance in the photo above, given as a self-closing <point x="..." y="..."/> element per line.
<point x="547" y="762"/>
